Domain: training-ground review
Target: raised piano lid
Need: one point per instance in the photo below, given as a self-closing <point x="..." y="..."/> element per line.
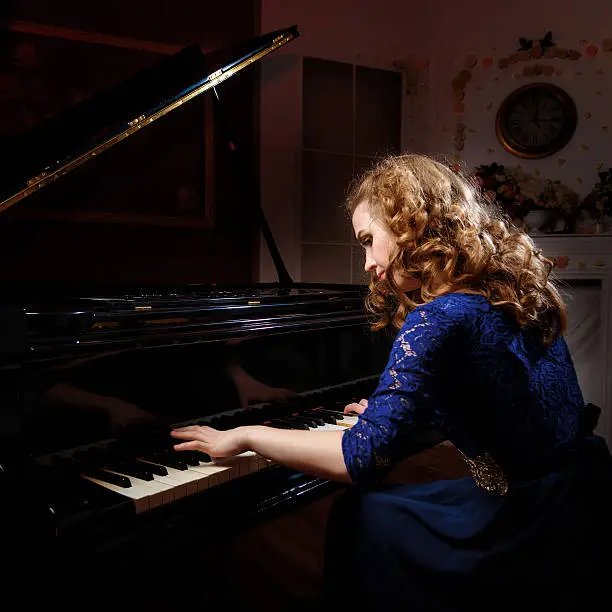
<point x="54" y="148"/>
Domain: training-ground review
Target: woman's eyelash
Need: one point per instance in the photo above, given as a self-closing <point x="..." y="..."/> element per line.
<point x="366" y="242"/>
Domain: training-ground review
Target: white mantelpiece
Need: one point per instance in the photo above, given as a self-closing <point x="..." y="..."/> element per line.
<point x="587" y="254"/>
<point x="585" y="269"/>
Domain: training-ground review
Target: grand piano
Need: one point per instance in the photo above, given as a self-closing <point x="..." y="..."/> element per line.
<point x="94" y="377"/>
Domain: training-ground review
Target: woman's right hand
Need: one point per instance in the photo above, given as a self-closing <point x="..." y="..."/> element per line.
<point x="358" y="408"/>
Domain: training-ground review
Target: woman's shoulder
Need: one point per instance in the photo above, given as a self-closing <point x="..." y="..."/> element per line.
<point x="457" y="306"/>
<point x="448" y="314"/>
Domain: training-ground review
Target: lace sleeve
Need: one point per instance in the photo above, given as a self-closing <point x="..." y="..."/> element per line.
<point x="404" y="403"/>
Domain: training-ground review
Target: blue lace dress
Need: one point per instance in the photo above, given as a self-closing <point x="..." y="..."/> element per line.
<point x="530" y="526"/>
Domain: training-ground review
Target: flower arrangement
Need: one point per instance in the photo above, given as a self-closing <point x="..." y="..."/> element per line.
<point x="500" y="186"/>
<point x="599" y="201"/>
<point x="519" y="193"/>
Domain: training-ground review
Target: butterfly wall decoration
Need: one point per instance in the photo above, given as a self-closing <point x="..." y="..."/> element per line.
<point x="544" y="43"/>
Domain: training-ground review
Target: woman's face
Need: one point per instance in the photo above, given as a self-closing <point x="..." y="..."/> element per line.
<point x="380" y="246"/>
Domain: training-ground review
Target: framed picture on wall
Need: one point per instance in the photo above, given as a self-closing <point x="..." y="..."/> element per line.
<point x="161" y="175"/>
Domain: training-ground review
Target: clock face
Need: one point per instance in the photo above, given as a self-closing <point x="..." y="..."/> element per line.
<point x="536" y="120"/>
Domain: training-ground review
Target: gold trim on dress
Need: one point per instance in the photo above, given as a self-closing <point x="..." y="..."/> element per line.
<point x="486" y="473"/>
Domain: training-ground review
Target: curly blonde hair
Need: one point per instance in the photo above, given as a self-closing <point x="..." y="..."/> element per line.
<point x="450" y="237"/>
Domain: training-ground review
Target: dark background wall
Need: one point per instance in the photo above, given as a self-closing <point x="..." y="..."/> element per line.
<point x="95" y="233"/>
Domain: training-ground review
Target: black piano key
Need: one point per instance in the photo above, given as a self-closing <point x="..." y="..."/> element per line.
<point x="266" y="414"/>
<point x="339" y="414"/>
<point x="190" y="457"/>
<point x="278" y="424"/>
<point x="326" y="418"/>
<point x="174" y="460"/>
<point x="167" y="459"/>
<point x="293" y="424"/>
<point x="158" y="470"/>
<point x="116" y="479"/>
<point x="195" y="457"/>
<point x="132" y="468"/>
<point x="314" y="418"/>
<point x="301" y="419"/>
<point x="112" y="460"/>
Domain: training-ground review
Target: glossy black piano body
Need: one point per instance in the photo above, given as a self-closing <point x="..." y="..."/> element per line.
<point x="209" y="355"/>
<point x="92" y="379"/>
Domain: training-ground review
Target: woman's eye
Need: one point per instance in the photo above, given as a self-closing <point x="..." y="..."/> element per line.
<point x="366" y="242"/>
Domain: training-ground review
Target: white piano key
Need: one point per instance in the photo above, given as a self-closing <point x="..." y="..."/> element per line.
<point x="347" y="421"/>
<point x="224" y="470"/>
<point x="160" y="492"/>
<point x="260" y="463"/>
<point x="328" y="427"/>
<point x="239" y="464"/>
<point x="165" y="493"/>
<point x="185" y="482"/>
<point x="211" y="475"/>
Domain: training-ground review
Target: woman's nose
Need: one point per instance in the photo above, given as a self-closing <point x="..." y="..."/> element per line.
<point x="370" y="264"/>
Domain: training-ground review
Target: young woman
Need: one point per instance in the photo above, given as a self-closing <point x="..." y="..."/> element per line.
<point x="479" y="357"/>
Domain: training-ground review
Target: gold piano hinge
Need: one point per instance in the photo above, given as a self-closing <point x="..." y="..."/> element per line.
<point x="36" y="179"/>
<point x="253" y="302"/>
<point x="143" y="308"/>
<point x="106" y="324"/>
<point x="134" y="122"/>
<point x="165" y="321"/>
<point x="37" y="182"/>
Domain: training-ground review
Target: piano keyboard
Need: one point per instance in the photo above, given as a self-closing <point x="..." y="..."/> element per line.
<point x="177" y="484"/>
<point x="154" y="478"/>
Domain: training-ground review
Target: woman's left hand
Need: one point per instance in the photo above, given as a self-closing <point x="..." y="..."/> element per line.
<point x="211" y="441"/>
<point x="356" y="408"/>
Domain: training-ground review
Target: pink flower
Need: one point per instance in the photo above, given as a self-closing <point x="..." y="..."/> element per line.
<point x="505" y="190"/>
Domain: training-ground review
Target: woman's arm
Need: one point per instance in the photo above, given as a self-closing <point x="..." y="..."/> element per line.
<point x="314" y="452"/>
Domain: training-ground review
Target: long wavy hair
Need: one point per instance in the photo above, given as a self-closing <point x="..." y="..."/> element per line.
<point x="450" y="237"/>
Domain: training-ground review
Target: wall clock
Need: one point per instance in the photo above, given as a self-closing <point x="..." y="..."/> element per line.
<point x="536" y="120"/>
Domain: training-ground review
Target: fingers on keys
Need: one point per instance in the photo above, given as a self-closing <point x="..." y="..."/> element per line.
<point x="191" y="445"/>
<point x="186" y="429"/>
<point x="357" y="408"/>
<point x="191" y="431"/>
